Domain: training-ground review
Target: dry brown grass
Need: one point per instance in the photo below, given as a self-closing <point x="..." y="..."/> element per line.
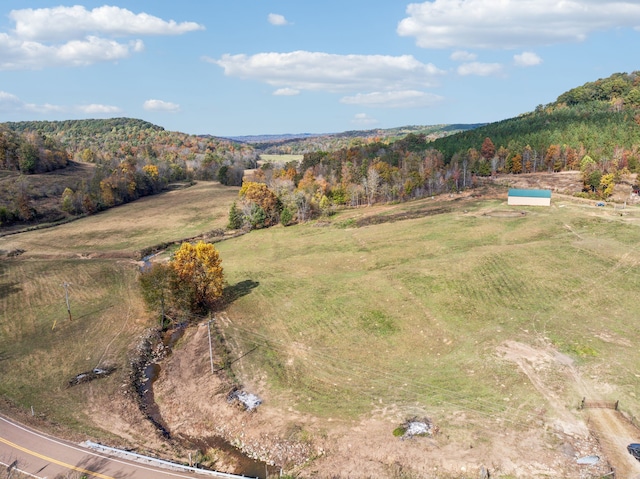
<point x="122" y="231"/>
<point x="40" y="349"/>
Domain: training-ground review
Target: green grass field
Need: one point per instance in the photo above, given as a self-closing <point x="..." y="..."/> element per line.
<point x="279" y="159"/>
<point x="410" y="313"/>
<point x="347" y="320"/>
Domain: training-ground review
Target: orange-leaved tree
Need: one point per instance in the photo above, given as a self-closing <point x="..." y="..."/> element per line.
<point x="199" y="275"/>
<point x="260" y="195"/>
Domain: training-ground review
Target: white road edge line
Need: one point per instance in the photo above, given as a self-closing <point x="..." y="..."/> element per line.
<point x="87" y="451"/>
<point x="21" y="471"/>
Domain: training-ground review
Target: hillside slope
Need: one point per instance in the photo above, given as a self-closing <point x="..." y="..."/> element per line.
<point x="599" y="118"/>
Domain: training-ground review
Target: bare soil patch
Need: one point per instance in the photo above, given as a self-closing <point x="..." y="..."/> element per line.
<point x="564" y="182"/>
<point x="193" y="402"/>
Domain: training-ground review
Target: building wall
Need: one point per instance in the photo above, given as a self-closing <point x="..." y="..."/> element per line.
<point x="528" y="201"/>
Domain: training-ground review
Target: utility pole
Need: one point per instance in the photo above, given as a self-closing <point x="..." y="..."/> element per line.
<point x="65" y="285"/>
<point x="210" y="348"/>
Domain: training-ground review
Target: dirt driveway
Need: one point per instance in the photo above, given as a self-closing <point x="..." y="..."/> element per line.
<point x="614" y="433"/>
<point x="611" y="429"/>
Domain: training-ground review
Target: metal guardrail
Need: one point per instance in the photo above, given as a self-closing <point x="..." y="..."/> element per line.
<point x="158" y="462"/>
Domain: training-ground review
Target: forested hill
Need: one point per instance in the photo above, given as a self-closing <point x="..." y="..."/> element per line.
<point x="128" y="159"/>
<point x="600" y="118"/>
<point x="108" y="136"/>
<point x="308" y="143"/>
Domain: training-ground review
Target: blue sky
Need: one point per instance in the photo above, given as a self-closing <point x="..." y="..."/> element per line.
<point x="244" y="67"/>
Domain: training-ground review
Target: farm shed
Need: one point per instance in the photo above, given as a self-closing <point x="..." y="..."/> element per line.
<point x="518" y="197"/>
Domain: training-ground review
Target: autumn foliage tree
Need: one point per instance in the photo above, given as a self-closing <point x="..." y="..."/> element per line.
<point x="259" y="194"/>
<point x="156" y="283"/>
<point x="199" y="278"/>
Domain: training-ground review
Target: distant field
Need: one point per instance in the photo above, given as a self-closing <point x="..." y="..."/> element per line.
<point x="410" y="313"/>
<point x="280" y="159"/>
<point x="125" y="229"/>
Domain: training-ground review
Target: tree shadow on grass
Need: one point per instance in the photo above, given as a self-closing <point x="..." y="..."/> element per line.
<point x="238" y="290"/>
<point x="7" y="289"/>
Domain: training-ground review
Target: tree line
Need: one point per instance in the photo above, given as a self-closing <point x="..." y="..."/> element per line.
<point x="30" y="152"/>
<point x="132" y="159"/>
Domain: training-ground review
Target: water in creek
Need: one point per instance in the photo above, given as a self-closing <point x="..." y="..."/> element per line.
<point x="243" y="464"/>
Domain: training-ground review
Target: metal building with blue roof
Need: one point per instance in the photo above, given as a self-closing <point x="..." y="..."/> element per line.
<point x="524" y="197"/>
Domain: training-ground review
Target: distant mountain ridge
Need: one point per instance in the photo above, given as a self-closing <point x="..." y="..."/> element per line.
<point x="308" y="142"/>
<point x="378" y="132"/>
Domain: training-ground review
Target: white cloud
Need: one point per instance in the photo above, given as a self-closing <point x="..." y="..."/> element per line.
<point x="286" y="92"/>
<point x="393" y="99"/>
<point x="44" y="108"/>
<point x="276" y="19"/>
<point x="159" y="105"/>
<point x="480" y="69"/>
<point x="513" y="23"/>
<point x="9" y="102"/>
<point x="302" y="70"/>
<point x="527" y="59"/>
<point x="363" y="119"/>
<point x="98" y="108"/>
<point x="19" y="55"/>
<point x="63" y="23"/>
<point x="463" y="56"/>
<point x="74" y="36"/>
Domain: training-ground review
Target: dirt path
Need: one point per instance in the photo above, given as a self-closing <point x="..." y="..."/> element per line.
<point x="614" y="433"/>
<point x="611" y="429"/>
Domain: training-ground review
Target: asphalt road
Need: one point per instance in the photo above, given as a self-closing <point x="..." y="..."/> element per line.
<point x="43" y="456"/>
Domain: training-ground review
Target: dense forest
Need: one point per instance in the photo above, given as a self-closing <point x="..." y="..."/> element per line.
<point x="594" y="129"/>
<point x="177" y="155"/>
<point x="30" y="152"/>
<point x="600" y="119"/>
<point x="131" y="158"/>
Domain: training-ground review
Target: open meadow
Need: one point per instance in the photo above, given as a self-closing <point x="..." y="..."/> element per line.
<point x="411" y="312"/>
<point x="40" y="349"/>
<point x="491" y="321"/>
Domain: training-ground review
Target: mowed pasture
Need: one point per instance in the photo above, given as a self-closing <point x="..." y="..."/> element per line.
<point x="124" y="230"/>
<point x="40" y="348"/>
<point x="410" y="315"/>
<point x="340" y="320"/>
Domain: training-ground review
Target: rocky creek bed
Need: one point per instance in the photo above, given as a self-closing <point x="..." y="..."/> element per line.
<point x="154" y="347"/>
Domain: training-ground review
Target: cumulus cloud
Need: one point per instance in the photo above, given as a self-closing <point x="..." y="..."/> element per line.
<point x="74" y="36"/>
<point x="463" y="56"/>
<point x="276" y="19"/>
<point x="17" y="55"/>
<point x="9" y="102"/>
<point x="513" y="23"/>
<point x="317" y="71"/>
<point x="393" y="99"/>
<point x="527" y="59"/>
<point x="62" y="23"/>
<point x="480" y="69"/>
<point x="286" y="92"/>
<point x="159" y="105"/>
<point x="363" y="119"/>
<point x="98" y="108"/>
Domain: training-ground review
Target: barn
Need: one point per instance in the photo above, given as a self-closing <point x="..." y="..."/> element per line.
<point x="523" y="197"/>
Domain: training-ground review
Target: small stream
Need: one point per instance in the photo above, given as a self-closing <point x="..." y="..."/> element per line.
<point x="244" y="465"/>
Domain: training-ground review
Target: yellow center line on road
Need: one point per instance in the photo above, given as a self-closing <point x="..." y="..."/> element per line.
<point x="54" y="461"/>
